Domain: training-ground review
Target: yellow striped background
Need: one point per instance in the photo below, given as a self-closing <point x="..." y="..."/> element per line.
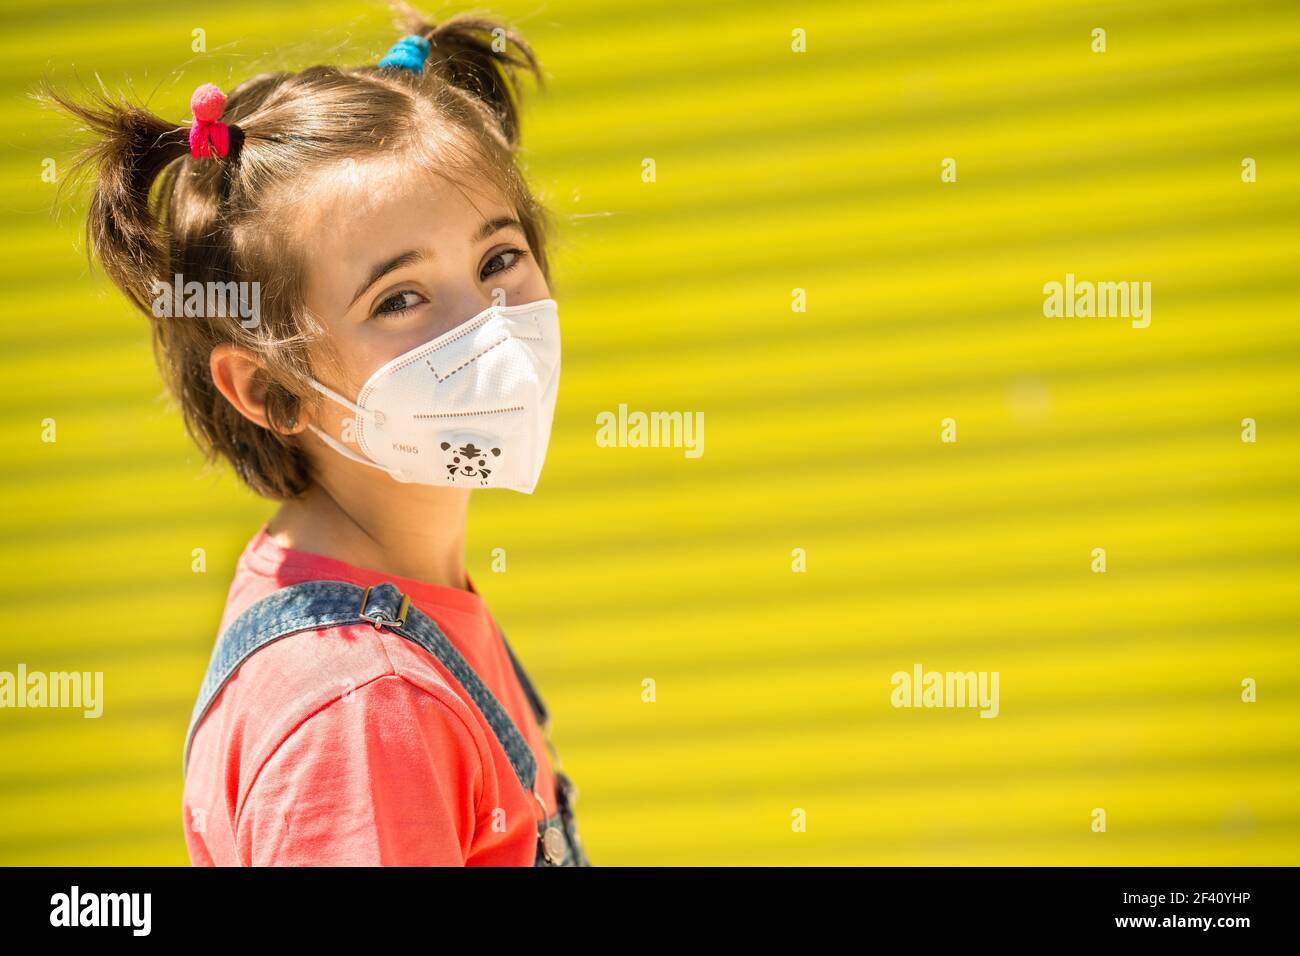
<point x="775" y="171"/>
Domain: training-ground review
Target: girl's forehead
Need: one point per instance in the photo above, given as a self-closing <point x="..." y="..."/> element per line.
<point x="354" y="210"/>
<point x="352" y="190"/>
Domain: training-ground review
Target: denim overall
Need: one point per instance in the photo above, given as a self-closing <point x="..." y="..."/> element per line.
<point x="319" y="604"/>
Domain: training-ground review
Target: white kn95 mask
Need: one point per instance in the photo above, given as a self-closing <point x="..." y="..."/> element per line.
<point x="471" y="408"/>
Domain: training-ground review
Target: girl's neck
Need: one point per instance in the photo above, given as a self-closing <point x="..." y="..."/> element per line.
<point x="407" y="531"/>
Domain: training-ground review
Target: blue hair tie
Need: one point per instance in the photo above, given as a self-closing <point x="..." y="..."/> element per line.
<point x="408" y="53"/>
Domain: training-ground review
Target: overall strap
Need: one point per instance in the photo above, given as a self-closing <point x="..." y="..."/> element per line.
<point x="534" y="699"/>
<point x="319" y="604"/>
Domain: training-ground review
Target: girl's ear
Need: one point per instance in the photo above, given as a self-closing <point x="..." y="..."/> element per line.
<point x="238" y="375"/>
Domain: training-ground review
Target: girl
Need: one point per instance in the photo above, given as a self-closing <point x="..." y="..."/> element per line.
<point x="393" y="348"/>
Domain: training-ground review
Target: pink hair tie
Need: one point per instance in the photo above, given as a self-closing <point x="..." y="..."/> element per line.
<point x="208" y="135"/>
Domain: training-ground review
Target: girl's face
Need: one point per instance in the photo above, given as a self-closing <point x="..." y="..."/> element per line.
<point x="399" y="257"/>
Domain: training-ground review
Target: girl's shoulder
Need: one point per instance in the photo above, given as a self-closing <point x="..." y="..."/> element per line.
<point x="283" y="652"/>
<point x="297" y="649"/>
<point x="288" y="658"/>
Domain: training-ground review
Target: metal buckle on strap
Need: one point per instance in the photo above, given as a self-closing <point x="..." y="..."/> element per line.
<point x="554" y="848"/>
<point x="378" y="618"/>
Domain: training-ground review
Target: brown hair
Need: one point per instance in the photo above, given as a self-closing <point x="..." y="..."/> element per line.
<point x="156" y="211"/>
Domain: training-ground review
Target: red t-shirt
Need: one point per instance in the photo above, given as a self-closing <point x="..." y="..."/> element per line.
<point x="351" y="746"/>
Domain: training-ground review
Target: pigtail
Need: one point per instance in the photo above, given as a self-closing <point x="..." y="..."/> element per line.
<point x="152" y="215"/>
<point x="481" y="57"/>
<point x="132" y="149"/>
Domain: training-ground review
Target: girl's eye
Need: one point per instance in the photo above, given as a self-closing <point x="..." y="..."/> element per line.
<point x="517" y="257"/>
<point x="398" y="303"/>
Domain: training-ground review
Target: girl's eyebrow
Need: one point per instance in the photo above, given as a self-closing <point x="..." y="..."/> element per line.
<point x="495" y="225"/>
<point x="381" y="270"/>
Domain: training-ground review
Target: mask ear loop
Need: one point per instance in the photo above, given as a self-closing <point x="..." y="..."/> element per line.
<point x="333" y="442"/>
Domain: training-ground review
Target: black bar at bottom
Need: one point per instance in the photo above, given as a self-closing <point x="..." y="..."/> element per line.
<point x="611" y="904"/>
